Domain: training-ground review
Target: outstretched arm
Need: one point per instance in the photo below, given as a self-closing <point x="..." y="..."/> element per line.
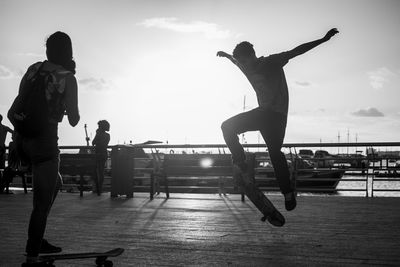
<point x="301" y="49"/>
<point x="228" y="56"/>
<point x="231" y="58"/>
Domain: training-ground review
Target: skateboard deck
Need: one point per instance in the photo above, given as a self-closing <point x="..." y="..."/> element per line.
<point x="257" y="197"/>
<point x="101" y="257"/>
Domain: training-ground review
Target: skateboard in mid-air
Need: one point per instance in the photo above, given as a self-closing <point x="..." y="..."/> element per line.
<point x="251" y="190"/>
<point x="101" y="257"/>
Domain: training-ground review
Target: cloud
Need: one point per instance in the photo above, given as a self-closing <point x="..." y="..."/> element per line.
<point x="369" y="112"/>
<point x="302" y="84"/>
<point x="6" y="73"/>
<point x="210" y="30"/>
<point x="94" y="84"/>
<point x="379" y="77"/>
<point x="29" y="54"/>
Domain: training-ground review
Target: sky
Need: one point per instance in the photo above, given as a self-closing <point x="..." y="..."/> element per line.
<point x="150" y="67"/>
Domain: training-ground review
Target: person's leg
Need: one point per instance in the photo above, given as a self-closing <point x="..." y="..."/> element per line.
<point x="46" y="182"/>
<point x="273" y="134"/>
<point x="231" y="128"/>
<point x="101" y="173"/>
<point x="100" y="162"/>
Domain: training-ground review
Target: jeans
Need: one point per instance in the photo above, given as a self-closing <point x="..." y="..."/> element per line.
<point x="43" y="153"/>
<point x="272" y="126"/>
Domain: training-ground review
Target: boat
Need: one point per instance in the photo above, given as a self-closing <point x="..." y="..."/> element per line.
<point x="308" y="177"/>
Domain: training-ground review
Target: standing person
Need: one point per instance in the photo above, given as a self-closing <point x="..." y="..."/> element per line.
<point x="100" y="141"/>
<point x="3" y="135"/>
<point x="61" y="96"/>
<point x="267" y="78"/>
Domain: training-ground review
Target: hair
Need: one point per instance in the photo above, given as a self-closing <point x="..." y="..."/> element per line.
<point x="243" y="49"/>
<point x="1" y="118"/>
<point x="59" y="50"/>
<point x="104" y="125"/>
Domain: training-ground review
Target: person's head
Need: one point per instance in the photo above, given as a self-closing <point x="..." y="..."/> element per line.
<point x="244" y="53"/>
<point x="59" y="50"/>
<point x="104" y="125"/>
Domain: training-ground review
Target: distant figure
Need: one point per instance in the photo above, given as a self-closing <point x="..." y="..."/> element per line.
<point x="267" y="78"/>
<point x="100" y="142"/>
<point x="61" y="96"/>
<point x="15" y="167"/>
<point x="3" y="135"/>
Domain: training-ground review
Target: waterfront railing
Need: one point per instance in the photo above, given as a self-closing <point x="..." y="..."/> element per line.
<point x="370" y="168"/>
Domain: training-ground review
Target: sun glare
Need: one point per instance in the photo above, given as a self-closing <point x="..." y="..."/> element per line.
<point x="206" y="163"/>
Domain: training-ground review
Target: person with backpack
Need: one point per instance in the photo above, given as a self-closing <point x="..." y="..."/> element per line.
<point x="51" y="88"/>
<point x="100" y="142"/>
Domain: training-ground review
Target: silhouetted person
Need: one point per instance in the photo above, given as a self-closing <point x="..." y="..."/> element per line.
<point x="267" y="78"/>
<point x="15" y="167"/>
<point x="100" y="143"/>
<point x="42" y="151"/>
<point x="3" y="135"/>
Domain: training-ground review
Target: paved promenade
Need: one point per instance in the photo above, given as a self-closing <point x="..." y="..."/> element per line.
<point x="210" y="230"/>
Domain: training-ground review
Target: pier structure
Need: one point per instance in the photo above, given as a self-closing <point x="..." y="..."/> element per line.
<point x="216" y="229"/>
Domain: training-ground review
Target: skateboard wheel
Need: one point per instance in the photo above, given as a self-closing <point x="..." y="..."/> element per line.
<point x="264" y="218"/>
<point x="108" y="263"/>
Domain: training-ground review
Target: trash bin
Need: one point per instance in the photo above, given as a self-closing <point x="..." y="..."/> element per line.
<point x="122" y="170"/>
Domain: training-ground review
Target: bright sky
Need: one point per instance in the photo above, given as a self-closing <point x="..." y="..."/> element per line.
<point x="150" y="67"/>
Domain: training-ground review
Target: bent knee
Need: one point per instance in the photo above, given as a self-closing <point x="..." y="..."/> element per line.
<point x="226" y="127"/>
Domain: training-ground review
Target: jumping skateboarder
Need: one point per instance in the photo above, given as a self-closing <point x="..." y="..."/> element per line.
<point x="267" y="78"/>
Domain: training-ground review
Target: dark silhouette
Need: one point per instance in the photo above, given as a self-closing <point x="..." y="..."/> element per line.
<point x="61" y="95"/>
<point x="267" y="78"/>
<point x="3" y="135"/>
<point x="100" y="141"/>
<point x="15" y="167"/>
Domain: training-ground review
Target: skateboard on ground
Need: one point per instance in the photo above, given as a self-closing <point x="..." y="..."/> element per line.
<point x="251" y="190"/>
<point x="101" y="257"/>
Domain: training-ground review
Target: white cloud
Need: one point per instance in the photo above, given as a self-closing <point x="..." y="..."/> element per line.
<point x="368" y="112"/>
<point x="379" y="77"/>
<point x="94" y="84"/>
<point x="210" y="30"/>
<point x="301" y="84"/>
<point x="29" y="54"/>
<point x="6" y="73"/>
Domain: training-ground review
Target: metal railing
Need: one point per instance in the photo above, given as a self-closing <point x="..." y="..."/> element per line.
<point x="367" y="176"/>
<point x="370" y="176"/>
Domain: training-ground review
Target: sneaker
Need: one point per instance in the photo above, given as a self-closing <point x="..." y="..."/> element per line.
<point x="46" y="247"/>
<point x="275" y="218"/>
<point x="290" y="201"/>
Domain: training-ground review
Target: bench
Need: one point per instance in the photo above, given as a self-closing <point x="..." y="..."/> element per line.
<point x="6" y="178"/>
<point x="78" y="165"/>
<point x="195" y="173"/>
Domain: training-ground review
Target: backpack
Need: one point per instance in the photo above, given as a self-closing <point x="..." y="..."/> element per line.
<point x="29" y="112"/>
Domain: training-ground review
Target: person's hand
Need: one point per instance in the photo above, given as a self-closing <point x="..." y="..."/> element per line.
<point x="330" y="33"/>
<point x="222" y="54"/>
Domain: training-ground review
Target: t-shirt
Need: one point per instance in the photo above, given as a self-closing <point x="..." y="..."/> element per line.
<point x="268" y="80"/>
<point x="100" y="142"/>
